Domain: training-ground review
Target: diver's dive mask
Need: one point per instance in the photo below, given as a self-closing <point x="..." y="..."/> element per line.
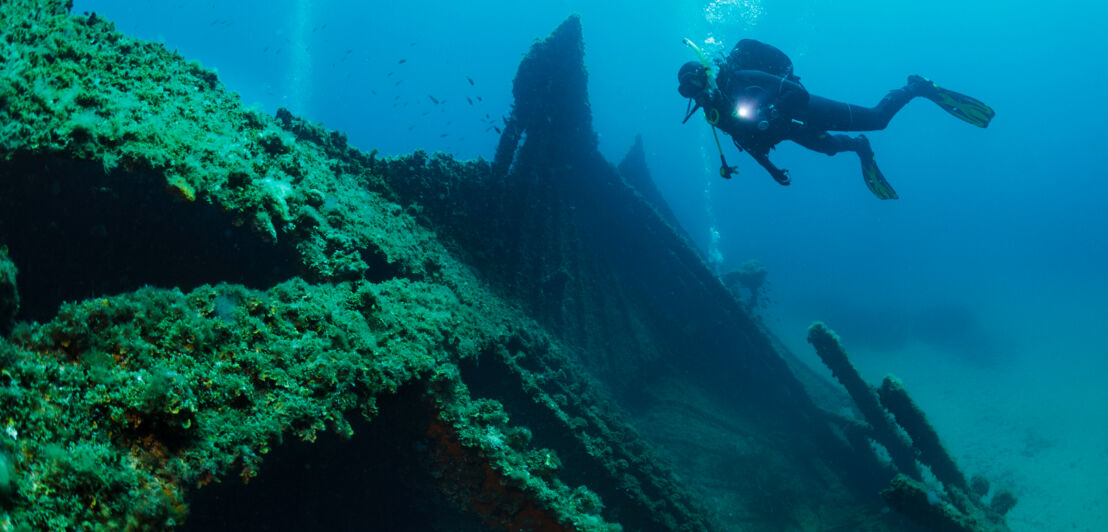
<point x="692" y="81"/>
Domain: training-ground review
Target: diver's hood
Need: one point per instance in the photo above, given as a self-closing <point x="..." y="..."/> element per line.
<point x="692" y="79"/>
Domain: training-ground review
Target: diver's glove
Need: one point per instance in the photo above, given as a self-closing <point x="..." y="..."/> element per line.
<point x="778" y="174"/>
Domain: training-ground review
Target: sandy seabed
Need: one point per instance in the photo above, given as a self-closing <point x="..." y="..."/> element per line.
<point x="1033" y="417"/>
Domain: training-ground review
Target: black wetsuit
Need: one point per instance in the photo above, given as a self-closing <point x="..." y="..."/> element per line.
<point x="823" y="115"/>
<point x="759" y="109"/>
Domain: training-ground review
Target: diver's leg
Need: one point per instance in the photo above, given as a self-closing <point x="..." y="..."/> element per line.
<point x="829" y="144"/>
<point x="833" y="115"/>
<point x="824" y="142"/>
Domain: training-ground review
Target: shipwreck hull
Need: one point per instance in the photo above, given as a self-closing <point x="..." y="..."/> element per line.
<point x="212" y="299"/>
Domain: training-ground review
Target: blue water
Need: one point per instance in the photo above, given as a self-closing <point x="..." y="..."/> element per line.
<point x="999" y="232"/>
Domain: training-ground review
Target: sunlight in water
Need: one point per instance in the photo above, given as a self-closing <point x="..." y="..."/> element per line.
<point x="729" y="11"/>
<point x="300" y="57"/>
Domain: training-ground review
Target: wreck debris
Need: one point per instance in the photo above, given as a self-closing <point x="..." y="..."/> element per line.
<point x="912" y="441"/>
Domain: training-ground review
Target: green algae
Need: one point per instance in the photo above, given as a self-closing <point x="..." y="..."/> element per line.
<point x="194" y="386"/>
<point x="120" y="406"/>
<point x="73" y="85"/>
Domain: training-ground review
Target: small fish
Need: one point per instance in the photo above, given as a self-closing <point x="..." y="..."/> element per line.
<point x="470" y="100"/>
<point x="479" y="98"/>
<point x="497" y="129"/>
<point x="398" y="83"/>
<point x="444" y="135"/>
<point x="470" y="80"/>
<point x="389" y="74"/>
<point x="411" y="127"/>
<point x="433" y="99"/>
<point x="402" y="61"/>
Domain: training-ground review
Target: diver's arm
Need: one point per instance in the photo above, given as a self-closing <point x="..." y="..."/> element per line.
<point x="779" y="175"/>
<point x="760" y="152"/>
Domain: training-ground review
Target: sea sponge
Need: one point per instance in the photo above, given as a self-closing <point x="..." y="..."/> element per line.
<point x="277" y="192"/>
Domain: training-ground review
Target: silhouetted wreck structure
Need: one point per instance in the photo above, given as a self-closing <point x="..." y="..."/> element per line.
<point x="226" y="320"/>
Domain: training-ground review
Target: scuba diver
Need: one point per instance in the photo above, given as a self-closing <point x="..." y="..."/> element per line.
<point x="758" y="100"/>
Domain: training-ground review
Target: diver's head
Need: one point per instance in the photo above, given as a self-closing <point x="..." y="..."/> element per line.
<point x="692" y="79"/>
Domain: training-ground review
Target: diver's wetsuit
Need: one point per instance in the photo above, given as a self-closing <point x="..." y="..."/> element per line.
<point x="822" y="115"/>
<point x="760" y="102"/>
<point x="800" y="117"/>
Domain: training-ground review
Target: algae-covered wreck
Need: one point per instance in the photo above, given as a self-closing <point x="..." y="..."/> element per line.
<point x="228" y="320"/>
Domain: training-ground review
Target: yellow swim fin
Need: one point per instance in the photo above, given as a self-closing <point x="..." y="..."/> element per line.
<point x="872" y="175"/>
<point x="964" y="107"/>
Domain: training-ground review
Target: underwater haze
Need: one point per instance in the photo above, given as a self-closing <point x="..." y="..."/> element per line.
<point x="983" y="287"/>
